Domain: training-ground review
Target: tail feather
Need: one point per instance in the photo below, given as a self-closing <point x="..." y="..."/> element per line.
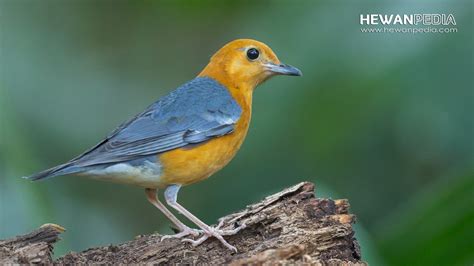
<point x="63" y="169"/>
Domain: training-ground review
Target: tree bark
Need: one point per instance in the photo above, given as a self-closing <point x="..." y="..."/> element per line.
<point x="289" y="227"/>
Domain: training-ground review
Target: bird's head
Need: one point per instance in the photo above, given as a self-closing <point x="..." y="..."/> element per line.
<point x="246" y="63"/>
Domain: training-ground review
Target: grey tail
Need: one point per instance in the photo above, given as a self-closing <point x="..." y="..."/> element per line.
<point x="63" y="169"/>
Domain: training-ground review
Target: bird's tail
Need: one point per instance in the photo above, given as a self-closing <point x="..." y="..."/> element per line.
<point x="63" y="169"/>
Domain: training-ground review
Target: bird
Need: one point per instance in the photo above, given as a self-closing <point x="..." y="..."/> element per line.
<point x="185" y="136"/>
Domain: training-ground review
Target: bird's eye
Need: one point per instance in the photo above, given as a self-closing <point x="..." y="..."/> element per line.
<point x="252" y="53"/>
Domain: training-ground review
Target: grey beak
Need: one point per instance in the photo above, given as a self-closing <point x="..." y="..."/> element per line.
<point x="283" y="69"/>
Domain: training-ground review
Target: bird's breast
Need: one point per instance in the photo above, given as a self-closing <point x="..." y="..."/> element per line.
<point x="191" y="164"/>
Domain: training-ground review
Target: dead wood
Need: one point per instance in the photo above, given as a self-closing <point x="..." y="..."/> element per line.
<point x="289" y="227"/>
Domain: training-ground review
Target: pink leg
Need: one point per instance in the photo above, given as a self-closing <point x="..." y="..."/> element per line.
<point x="171" y="194"/>
<point x="184" y="229"/>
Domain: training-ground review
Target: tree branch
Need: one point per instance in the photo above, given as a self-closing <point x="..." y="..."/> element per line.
<point x="289" y="227"/>
<point x="34" y="247"/>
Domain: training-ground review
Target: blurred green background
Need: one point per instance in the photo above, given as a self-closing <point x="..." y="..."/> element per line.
<point x="384" y="120"/>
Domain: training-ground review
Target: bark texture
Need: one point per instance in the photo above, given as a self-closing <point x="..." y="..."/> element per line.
<point x="34" y="247"/>
<point x="289" y="227"/>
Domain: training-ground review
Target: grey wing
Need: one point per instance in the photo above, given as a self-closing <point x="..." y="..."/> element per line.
<point x="199" y="110"/>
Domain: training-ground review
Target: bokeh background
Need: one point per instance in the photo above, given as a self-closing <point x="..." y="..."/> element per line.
<point x="384" y="120"/>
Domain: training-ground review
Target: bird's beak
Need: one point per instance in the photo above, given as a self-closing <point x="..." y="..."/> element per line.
<point x="283" y="69"/>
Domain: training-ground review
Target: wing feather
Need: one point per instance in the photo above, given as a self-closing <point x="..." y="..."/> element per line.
<point x="197" y="111"/>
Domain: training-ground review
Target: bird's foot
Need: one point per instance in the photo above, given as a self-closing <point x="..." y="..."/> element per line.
<point x="217" y="233"/>
<point x="186" y="231"/>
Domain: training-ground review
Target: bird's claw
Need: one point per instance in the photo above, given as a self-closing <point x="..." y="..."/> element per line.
<point x="232" y="231"/>
<point x="217" y="233"/>
<point x="195" y="242"/>
<point x="206" y="236"/>
<point x="184" y="232"/>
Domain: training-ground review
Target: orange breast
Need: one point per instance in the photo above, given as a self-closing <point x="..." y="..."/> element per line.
<point x="189" y="165"/>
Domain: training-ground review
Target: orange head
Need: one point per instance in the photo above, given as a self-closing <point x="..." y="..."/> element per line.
<point x="244" y="64"/>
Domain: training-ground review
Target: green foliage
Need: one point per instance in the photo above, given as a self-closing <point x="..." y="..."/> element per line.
<point x="434" y="228"/>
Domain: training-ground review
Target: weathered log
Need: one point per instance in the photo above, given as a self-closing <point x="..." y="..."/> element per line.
<point x="34" y="247"/>
<point x="289" y="227"/>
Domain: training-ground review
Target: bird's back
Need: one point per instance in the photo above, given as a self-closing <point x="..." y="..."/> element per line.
<point x="193" y="114"/>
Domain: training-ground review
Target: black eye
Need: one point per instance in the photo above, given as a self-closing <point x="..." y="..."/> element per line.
<point x="252" y="53"/>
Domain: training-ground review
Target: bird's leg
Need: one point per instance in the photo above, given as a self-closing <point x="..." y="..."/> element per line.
<point x="171" y="195"/>
<point x="184" y="230"/>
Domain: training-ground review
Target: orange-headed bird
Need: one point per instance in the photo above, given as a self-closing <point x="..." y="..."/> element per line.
<point x="185" y="136"/>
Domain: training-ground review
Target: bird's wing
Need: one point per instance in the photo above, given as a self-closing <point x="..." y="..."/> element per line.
<point x="197" y="111"/>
